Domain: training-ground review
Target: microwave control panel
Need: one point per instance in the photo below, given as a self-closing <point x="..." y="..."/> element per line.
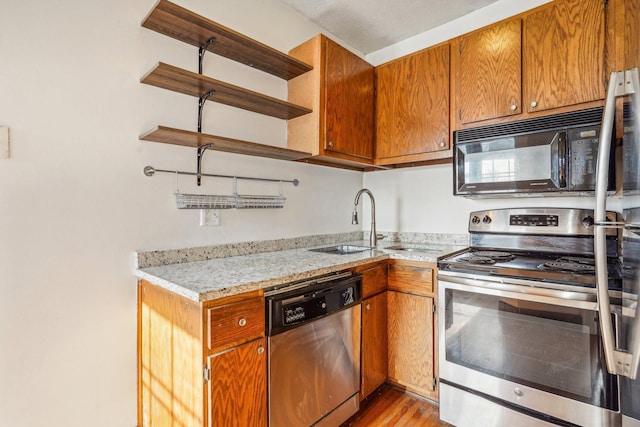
<point x="583" y="152"/>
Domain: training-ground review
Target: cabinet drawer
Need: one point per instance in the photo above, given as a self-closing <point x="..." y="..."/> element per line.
<point x="374" y="280"/>
<point x="411" y="279"/>
<point x="236" y="323"/>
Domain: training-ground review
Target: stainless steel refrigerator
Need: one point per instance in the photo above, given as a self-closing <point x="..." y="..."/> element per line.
<point x="620" y="313"/>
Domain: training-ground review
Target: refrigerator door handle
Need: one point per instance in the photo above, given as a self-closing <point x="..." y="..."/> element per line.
<point x="616" y="360"/>
<point x="632" y="88"/>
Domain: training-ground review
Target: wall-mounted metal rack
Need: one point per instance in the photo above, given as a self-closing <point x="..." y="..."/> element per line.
<point x="230" y="201"/>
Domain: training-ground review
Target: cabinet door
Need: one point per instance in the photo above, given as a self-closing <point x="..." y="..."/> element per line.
<point x="349" y="105"/>
<point x="631" y="33"/>
<point x="489" y="76"/>
<point x="411" y="342"/>
<point x="563" y="54"/>
<point x="412" y="106"/>
<point x="238" y="386"/>
<point x="374" y="344"/>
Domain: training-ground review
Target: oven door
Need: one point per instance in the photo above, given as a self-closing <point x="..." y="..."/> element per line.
<point x="527" y="347"/>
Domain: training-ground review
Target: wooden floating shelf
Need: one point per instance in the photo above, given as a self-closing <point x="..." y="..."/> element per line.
<point x="194" y="84"/>
<point x="174" y="21"/>
<point x="186" y="138"/>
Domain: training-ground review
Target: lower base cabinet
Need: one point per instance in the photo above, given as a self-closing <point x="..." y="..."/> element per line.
<point x="201" y="364"/>
<point x="238" y="386"/>
<point x="411" y="349"/>
<point x="374" y="344"/>
<point x="411" y="327"/>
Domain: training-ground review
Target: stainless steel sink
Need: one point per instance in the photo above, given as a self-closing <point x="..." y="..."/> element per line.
<point x="342" y="249"/>
<point x="413" y="248"/>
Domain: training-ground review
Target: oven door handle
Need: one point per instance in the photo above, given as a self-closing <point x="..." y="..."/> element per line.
<point x="525" y="293"/>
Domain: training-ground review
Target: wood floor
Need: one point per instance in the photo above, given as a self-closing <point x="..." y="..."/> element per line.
<point x="389" y="406"/>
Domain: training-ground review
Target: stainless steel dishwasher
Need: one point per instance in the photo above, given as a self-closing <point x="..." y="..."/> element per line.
<point x="313" y="330"/>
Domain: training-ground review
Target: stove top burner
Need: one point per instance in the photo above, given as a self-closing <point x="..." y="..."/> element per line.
<point x="537" y="266"/>
<point x="479" y="260"/>
<point x="495" y="255"/>
<point x="563" y="265"/>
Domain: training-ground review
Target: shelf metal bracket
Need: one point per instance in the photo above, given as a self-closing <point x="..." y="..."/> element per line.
<point x="201" y="151"/>
<point x="201" y="51"/>
<point x="201" y="102"/>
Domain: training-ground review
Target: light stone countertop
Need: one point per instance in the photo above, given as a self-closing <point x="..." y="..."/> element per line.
<point x="216" y="278"/>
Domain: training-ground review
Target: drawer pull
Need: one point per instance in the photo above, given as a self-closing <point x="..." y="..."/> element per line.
<point x="242" y="321"/>
<point x="368" y="306"/>
<point x="260" y="350"/>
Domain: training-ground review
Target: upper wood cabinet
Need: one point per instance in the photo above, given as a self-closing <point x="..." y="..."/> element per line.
<point x="340" y="91"/>
<point x="630" y="32"/>
<point x="563" y="54"/>
<point x="489" y="72"/>
<point x="412" y="107"/>
<point x="550" y="58"/>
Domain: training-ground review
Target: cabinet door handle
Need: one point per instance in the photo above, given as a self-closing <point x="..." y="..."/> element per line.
<point x="514" y="107"/>
<point x="260" y="350"/>
<point x="242" y="321"/>
<point x="443" y="144"/>
<point x="368" y="306"/>
<point x="330" y="144"/>
<point x="534" y="104"/>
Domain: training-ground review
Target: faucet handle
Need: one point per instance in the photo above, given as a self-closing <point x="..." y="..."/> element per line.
<point x="380" y="236"/>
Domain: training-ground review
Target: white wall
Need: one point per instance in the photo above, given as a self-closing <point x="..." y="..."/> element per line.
<point x="74" y="204"/>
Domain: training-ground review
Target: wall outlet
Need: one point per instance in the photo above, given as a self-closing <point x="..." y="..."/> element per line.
<point x="4" y="142"/>
<point x="209" y="217"/>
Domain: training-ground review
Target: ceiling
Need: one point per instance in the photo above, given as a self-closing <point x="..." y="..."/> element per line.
<point x="369" y="25"/>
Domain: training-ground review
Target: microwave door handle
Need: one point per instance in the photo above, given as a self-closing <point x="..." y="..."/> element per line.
<point x="562" y="160"/>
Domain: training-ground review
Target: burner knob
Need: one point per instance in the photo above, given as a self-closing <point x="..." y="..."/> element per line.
<point x="486" y="219"/>
<point x="475" y="220"/>
<point x="587" y="221"/>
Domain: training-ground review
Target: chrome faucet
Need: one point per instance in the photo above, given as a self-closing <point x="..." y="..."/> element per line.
<point x="373" y="237"/>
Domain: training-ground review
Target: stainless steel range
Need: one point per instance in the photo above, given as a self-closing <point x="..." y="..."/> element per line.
<point x="519" y="335"/>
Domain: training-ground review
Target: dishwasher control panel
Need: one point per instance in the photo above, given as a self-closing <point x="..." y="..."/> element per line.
<point x="298" y="312"/>
<point x="291" y="309"/>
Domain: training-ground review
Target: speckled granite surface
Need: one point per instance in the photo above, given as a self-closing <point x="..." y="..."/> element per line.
<point x="204" y="280"/>
<point x="174" y="256"/>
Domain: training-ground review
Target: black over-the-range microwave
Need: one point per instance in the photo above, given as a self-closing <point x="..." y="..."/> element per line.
<point x="553" y="155"/>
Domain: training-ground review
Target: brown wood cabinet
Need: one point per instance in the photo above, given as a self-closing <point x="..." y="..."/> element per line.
<point x="412" y="327"/>
<point x="238" y="386"/>
<point x="563" y="54"/>
<point x="551" y="58"/>
<point x="340" y="91"/>
<point x="200" y="364"/>
<point x="374" y="368"/>
<point x="373" y="364"/>
<point x="412" y="107"/>
<point x="489" y="75"/>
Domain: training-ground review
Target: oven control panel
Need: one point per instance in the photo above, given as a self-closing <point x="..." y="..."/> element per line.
<point x="534" y="220"/>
